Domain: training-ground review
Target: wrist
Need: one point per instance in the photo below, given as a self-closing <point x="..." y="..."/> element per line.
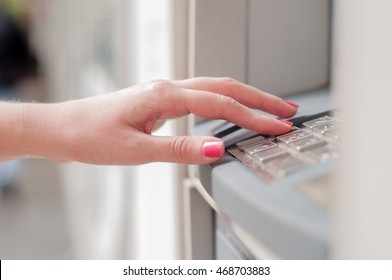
<point x="43" y="131"/>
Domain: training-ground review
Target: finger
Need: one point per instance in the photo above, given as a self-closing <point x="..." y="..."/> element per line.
<point x="245" y="94"/>
<point x="185" y="149"/>
<point x="214" y="106"/>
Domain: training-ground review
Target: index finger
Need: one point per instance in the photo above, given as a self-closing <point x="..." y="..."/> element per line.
<point x="245" y="94"/>
<point x="180" y="101"/>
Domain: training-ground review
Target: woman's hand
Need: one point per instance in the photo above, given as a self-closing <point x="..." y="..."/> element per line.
<point x="116" y="128"/>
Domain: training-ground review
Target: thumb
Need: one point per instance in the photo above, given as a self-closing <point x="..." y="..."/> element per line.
<point x="188" y="149"/>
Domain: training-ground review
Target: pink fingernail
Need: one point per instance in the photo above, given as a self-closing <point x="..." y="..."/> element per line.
<point x="292" y="104"/>
<point x="286" y="122"/>
<point x="213" y="149"/>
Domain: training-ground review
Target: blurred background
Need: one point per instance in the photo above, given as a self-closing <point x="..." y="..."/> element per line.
<point x="52" y="51"/>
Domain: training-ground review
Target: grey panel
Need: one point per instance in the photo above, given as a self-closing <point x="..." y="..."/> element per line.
<point x="281" y="46"/>
<point x="202" y="226"/>
<point x="218" y="45"/>
<point x="275" y="213"/>
<point x="225" y="250"/>
<point x="288" y="45"/>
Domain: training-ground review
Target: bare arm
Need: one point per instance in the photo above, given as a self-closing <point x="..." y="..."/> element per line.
<point x="116" y="128"/>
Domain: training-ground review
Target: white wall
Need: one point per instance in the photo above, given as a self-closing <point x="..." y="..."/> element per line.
<point x="362" y="82"/>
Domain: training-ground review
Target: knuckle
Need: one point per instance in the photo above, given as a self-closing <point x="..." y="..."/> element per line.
<point x="180" y="147"/>
<point x="161" y="87"/>
<point x="226" y="104"/>
<point x="228" y="80"/>
<point x="228" y="86"/>
<point x="227" y="101"/>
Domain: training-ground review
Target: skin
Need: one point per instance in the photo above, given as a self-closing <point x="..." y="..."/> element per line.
<point x="115" y="128"/>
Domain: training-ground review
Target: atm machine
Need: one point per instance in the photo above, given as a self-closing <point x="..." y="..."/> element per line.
<point x="322" y="191"/>
<point x="268" y="196"/>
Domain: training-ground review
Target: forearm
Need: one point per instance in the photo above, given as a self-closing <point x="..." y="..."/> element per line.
<point x="31" y="130"/>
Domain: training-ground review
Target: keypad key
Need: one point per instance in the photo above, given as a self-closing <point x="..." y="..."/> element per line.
<point x="332" y="135"/>
<point x="307" y="143"/>
<point x="321" y="154"/>
<point x="292" y="136"/>
<point x="316" y="122"/>
<point x="263" y="145"/>
<point x="269" y="154"/>
<point x="249" y="142"/>
<point x="284" y="165"/>
<point x="325" y="127"/>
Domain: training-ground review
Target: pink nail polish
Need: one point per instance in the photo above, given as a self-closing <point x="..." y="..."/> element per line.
<point x="292" y="104"/>
<point x="286" y="122"/>
<point x="213" y="149"/>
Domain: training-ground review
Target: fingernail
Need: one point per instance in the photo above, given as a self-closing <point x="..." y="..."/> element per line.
<point x="213" y="149"/>
<point x="291" y="104"/>
<point x="286" y="122"/>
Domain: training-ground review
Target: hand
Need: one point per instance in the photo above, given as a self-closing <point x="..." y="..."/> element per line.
<point x="116" y="128"/>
